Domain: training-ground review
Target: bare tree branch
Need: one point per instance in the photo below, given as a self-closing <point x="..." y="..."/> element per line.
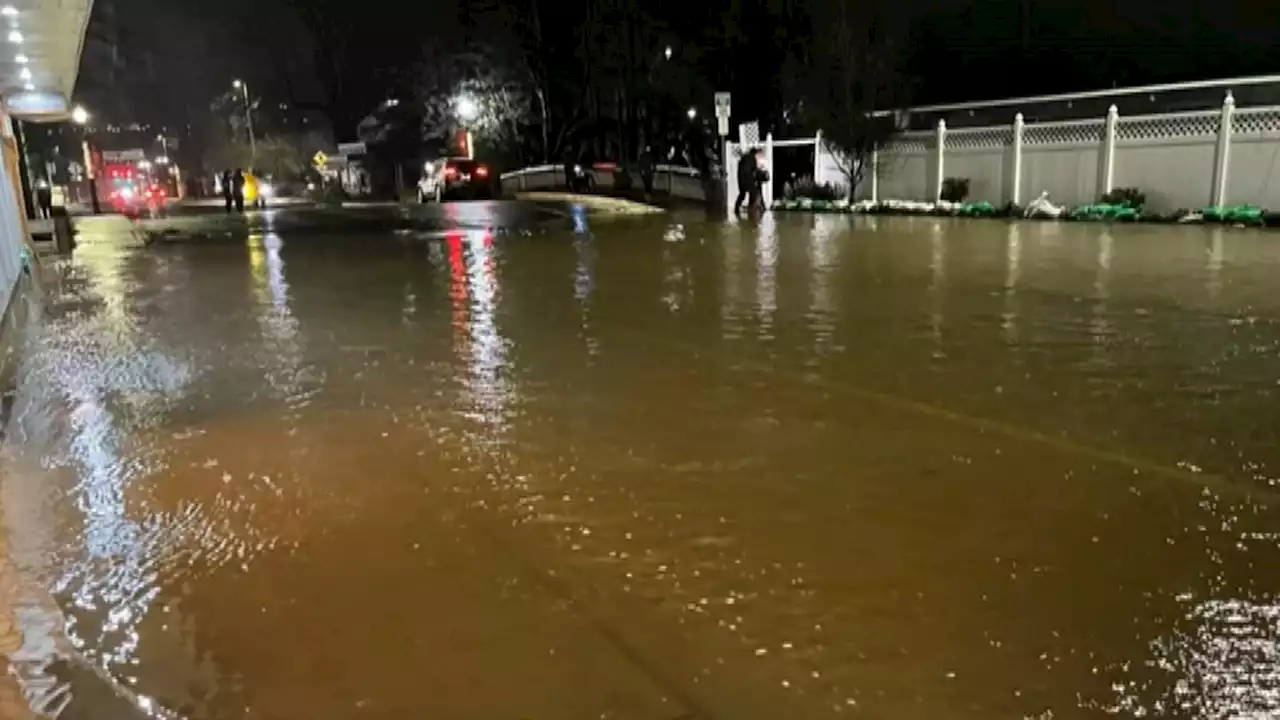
<point x="848" y="70"/>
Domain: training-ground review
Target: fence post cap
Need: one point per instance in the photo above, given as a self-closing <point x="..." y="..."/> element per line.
<point x="1229" y="99"/>
<point x="1113" y="110"/>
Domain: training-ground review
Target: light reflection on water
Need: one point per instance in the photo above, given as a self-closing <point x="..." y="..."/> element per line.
<point x="476" y="292"/>
<point x="666" y="468"/>
<point x="1013" y="260"/>
<point x="766" y="275"/>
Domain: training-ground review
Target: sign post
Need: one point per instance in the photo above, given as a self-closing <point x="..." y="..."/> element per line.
<point x="723" y="110"/>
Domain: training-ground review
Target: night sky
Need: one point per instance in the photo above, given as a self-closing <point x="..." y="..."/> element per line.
<point x="171" y="56"/>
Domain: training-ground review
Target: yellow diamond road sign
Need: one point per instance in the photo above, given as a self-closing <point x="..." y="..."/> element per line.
<point x="320" y="159"/>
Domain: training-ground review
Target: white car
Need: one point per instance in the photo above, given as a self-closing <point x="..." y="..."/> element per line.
<point x="429" y="183"/>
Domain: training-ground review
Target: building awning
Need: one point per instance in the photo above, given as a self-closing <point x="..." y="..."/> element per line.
<point x="40" y="45"/>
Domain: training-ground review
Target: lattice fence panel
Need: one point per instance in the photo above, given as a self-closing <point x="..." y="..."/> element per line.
<point x="988" y="137"/>
<point x="1068" y="133"/>
<point x="911" y="142"/>
<point x="1256" y="121"/>
<point x="1165" y="127"/>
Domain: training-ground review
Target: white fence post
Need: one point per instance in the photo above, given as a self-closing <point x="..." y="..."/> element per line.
<point x="1223" y="151"/>
<point x="1018" y="125"/>
<point x="940" y="159"/>
<point x="768" y="159"/>
<point x="1109" y="150"/>
<point x="730" y="176"/>
<point x="817" y="160"/>
<point x="875" y="174"/>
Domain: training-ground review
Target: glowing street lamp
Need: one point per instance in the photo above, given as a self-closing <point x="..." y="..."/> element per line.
<point x="692" y="113"/>
<point x="466" y="107"/>
<point x="80" y="117"/>
<point x="240" y="85"/>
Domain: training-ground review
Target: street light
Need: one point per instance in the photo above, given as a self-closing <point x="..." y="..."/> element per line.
<point x="466" y="107"/>
<point x="667" y="52"/>
<point x="80" y="117"/>
<point x="240" y="85"/>
<point x="692" y="113"/>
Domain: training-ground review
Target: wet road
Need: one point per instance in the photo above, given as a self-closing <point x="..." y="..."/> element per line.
<point x="658" y="468"/>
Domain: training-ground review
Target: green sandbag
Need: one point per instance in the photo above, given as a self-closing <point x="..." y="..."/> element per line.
<point x="1233" y="214"/>
<point x="1245" y="213"/>
<point x="1105" y="211"/>
<point x="977" y="209"/>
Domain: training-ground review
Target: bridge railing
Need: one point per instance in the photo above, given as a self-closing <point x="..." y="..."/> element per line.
<point x="676" y="180"/>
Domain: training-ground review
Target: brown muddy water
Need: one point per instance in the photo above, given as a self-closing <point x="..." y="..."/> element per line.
<point x="657" y="468"/>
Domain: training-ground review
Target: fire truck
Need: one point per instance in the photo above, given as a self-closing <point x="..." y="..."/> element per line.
<point x="126" y="183"/>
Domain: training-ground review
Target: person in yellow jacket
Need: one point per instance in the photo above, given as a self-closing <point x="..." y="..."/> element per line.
<point x="252" y="196"/>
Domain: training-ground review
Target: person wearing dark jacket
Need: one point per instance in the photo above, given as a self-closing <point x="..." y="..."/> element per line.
<point x="237" y="189"/>
<point x="44" y="199"/>
<point x="757" y="187"/>
<point x="748" y="179"/>
<point x="228" y="192"/>
<point x="647" y="168"/>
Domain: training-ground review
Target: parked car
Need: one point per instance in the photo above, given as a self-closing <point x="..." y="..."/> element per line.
<point x="455" y="178"/>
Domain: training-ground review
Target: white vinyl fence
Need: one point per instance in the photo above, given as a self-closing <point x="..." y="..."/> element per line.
<point x="1179" y="160"/>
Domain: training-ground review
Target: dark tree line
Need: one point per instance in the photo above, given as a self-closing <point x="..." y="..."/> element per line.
<point x="607" y="78"/>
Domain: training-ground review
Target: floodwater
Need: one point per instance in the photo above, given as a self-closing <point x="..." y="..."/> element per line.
<point x="657" y="468"/>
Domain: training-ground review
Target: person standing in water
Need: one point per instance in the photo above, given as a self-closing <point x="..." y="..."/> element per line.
<point x="647" y="168"/>
<point x="237" y="189"/>
<point x="759" y="178"/>
<point x="228" y="193"/>
<point x="749" y="180"/>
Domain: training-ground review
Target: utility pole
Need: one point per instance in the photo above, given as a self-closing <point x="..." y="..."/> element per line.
<point x="243" y="87"/>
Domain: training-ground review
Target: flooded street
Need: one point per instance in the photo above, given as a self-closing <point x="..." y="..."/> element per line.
<point x="657" y="468"/>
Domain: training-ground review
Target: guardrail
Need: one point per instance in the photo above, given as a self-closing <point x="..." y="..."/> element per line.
<point x="678" y="181"/>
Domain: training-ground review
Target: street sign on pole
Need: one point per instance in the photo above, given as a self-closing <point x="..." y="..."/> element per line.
<point x="353" y="149"/>
<point x="723" y="105"/>
<point x="320" y="159"/>
<point x="131" y="155"/>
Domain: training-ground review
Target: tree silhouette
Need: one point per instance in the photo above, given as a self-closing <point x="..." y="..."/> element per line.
<point x="848" y="70"/>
